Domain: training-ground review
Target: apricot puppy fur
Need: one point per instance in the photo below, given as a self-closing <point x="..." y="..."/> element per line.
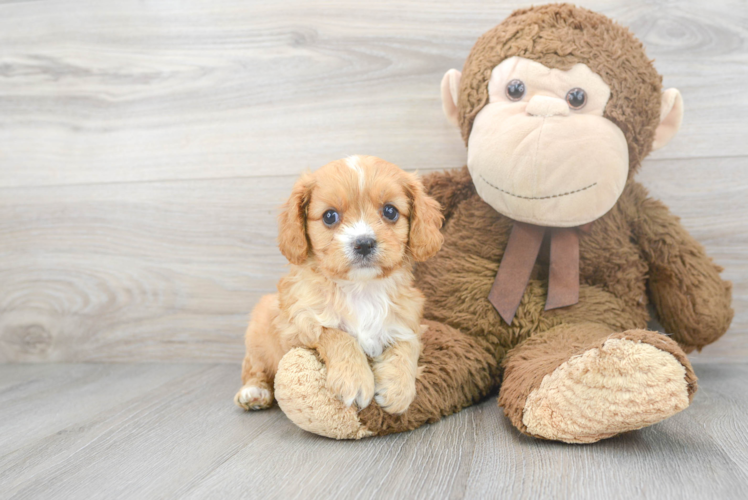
<point x="351" y="231"/>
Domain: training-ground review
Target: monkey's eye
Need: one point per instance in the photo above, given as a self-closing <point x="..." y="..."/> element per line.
<point x="515" y="90"/>
<point x="576" y="98"/>
<point x="330" y="218"/>
<point x="390" y="213"/>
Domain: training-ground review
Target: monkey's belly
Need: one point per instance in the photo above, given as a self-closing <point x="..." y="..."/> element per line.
<point x="456" y="282"/>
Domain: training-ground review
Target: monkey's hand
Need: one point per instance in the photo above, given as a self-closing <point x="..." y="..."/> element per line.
<point x="692" y="301"/>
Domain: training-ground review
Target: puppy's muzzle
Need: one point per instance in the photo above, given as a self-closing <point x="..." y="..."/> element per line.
<point x="364" y="246"/>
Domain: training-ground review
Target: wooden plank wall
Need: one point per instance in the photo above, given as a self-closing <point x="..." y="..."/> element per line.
<point x="145" y="147"/>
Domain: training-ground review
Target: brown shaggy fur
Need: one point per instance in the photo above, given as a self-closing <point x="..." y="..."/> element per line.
<point x="635" y="253"/>
<point x="619" y="270"/>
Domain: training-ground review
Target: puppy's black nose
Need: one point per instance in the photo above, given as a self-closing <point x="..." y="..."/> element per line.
<point x="364" y="246"/>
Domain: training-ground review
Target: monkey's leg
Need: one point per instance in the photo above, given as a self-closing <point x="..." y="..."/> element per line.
<point x="580" y="383"/>
<point x="455" y="371"/>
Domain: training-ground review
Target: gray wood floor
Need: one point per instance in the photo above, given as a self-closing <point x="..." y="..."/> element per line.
<point x="167" y="431"/>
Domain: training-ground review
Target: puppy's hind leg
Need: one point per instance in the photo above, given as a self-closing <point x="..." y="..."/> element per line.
<point x="262" y="357"/>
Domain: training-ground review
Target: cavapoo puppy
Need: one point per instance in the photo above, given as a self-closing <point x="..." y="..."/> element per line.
<point x="351" y="231"/>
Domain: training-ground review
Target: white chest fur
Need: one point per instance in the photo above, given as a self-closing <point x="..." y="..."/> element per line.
<point x="369" y="314"/>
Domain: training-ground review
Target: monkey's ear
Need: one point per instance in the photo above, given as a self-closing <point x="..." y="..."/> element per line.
<point x="292" y="237"/>
<point x="450" y="94"/>
<point x="671" y="116"/>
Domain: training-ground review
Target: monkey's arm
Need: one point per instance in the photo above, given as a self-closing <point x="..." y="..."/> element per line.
<point x="692" y="301"/>
<point x="449" y="188"/>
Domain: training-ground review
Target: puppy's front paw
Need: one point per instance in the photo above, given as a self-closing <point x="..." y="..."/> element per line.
<point x="254" y="397"/>
<point x="394" y="390"/>
<point x="351" y="382"/>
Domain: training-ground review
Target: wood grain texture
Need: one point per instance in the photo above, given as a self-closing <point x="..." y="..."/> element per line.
<point x="234" y="88"/>
<point x="144" y="149"/>
<point x="172" y="431"/>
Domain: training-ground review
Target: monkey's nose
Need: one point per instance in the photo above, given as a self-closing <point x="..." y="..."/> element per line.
<point x="364" y="246"/>
<point x="544" y="106"/>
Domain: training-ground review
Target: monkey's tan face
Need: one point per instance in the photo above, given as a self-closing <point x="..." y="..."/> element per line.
<point x="541" y="151"/>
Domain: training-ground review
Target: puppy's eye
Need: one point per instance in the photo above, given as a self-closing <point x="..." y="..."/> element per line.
<point x="390" y="213"/>
<point x="515" y="90"/>
<point x="330" y="218"/>
<point x="576" y="98"/>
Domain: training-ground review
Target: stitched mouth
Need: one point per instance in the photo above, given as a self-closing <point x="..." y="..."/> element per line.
<point x="537" y="197"/>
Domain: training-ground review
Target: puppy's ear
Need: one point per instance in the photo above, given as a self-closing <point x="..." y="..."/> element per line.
<point x="292" y="237"/>
<point x="425" y="222"/>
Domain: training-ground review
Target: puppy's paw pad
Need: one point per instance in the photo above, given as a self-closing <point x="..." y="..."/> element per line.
<point x="251" y="397"/>
<point x="351" y="384"/>
<point x="364" y="397"/>
<point x="395" y="398"/>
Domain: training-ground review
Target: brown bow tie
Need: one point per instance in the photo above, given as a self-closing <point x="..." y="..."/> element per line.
<point x="519" y="259"/>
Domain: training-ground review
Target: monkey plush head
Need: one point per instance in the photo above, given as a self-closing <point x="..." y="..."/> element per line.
<point x="558" y="106"/>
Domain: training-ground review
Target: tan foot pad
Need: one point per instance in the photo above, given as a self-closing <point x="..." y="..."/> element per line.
<point x="301" y="393"/>
<point x="624" y="385"/>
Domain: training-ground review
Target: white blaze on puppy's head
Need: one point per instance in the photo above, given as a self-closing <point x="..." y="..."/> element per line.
<point x="359" y="218"/>
<point x="354" y="163"/>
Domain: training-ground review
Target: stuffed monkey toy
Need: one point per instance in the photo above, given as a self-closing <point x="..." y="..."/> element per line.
<point x="552" y="250"/>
